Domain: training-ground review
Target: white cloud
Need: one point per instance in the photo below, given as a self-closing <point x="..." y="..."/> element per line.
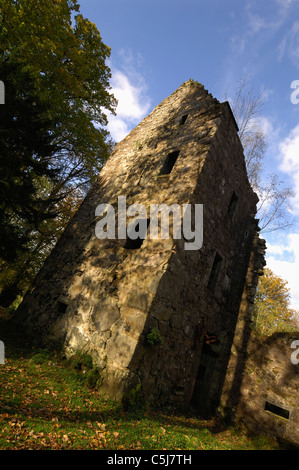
<point x="271" y="23"/>
<point x="285" y="4"/>
<point x="276" y="249"/>
<point x="130" y="97"/>
<point x="263" y="122"/>
<point x="256" y="23"/>
<point x="282" y="48"/>
<point x="289" y="45"/>
<point x="118" y="128"/>
<point x="259" y="28"/>
<point x="287" y="270"/>
<point x="289" y="150"/>
<point x="129" y="88"/>
<point x="283" y="253"/>
<point x="237" y="44"/>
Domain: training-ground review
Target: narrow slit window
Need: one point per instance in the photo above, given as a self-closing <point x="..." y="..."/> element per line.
<point x="215" y="273"/>
<point x="134" y="243"/>
<point x="62" y="307"/>
<point x="227" y="284"/>
<point x="183" y="119"/>
<point x="169" y="162"/>
<point x="277" y="410"/>
<point x="232" y="204"/>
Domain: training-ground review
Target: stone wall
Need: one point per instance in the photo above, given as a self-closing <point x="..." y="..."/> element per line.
<point x="231" y="391"/>
<point x="104" y="298"/>
<point x="261" y="387"/>
<point x="269" y="390"/>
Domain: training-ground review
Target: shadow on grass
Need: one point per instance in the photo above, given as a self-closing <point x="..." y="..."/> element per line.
<point x="82" y="405"/>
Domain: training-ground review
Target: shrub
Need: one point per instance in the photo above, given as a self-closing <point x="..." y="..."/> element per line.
<point x="154" y="337"/>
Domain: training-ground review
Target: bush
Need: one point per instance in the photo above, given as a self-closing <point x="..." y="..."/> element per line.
<point x="154" y="337"/>
<point x="81" y="361"/>
<point x="40" y="357"/>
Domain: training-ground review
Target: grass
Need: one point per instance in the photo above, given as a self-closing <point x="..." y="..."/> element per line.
<point x="47" y="402"/>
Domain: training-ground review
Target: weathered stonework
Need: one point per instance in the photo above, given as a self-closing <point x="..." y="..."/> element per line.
<point x="268" y="396"/>
<point x="103" y="298"/>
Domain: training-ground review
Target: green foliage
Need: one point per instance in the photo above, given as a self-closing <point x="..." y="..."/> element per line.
<point x="272" y="311"/>
<point x="93" y="377"/>
<point x="27" y="148"/>
<point x="138" y="145"/>
<point x="17" y="276"/>
<point x="132" y="399"/>
<point x="87" y="371"/>
<point x="81" y="361"/>
<point x="41" y="356"/>
<point x="64" y="55"/>
<point x="154" y="337"/>
<point x="45" y="405"/>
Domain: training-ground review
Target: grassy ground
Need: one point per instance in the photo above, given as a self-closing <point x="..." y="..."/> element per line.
<point x="47" y="402"/>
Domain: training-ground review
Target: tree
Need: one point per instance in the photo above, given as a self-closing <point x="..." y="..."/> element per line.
<point x="66" y="59"/>
<point x="272" y="312"/>
<point x="65" y="54"/>
<point x="16" y="276"/>
<point x="26" y="150"/>
<point x="273" y="196"/>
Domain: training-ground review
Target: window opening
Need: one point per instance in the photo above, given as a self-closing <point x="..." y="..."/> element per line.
<point x="183" y="119"/>
<point x="215" y="273"/>
<point x="232" y="204"/>
<point x="169" y="162"/>
<point x="277" y="410"/>
<point x="227" y="284"/>
<point x="136" y="243"/>
<point x="62" y="307"/>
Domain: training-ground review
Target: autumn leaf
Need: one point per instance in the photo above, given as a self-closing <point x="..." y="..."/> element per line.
<point x="272" y="311"/>
<point x="102" y="426"/>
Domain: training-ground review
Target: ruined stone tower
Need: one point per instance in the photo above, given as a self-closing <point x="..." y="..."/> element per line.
<point x="151" y="312"/>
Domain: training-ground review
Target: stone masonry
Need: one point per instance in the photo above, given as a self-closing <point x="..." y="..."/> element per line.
<point x="109" y="297"/>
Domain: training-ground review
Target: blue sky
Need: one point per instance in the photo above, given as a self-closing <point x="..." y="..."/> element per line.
<point x="156" y="45"/>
